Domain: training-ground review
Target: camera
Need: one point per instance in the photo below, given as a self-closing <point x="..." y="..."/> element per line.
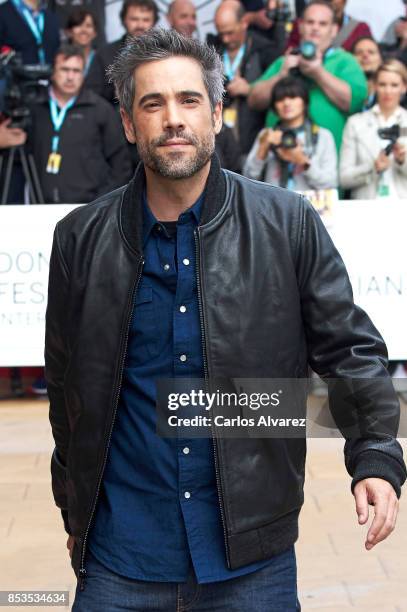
<point x="307" y="49"/>
<point x="392" y="133"/>
<point x="281" y="13"/>
<point x="227" y="99"/>
<point x="25" y="85"/>
<point x="288" y="139"/>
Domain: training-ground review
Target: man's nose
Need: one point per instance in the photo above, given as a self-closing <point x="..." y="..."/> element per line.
<point x="173" y="117"/>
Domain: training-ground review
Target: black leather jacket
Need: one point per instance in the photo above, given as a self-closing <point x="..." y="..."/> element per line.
<point x="274" y="297"/>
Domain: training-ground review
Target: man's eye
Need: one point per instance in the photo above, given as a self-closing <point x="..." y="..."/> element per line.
<point x="190" y="101"/>
<point x="152" y="105"/>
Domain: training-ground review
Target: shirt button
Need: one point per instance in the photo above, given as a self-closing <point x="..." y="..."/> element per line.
<point x="185" y="450"/>
<point x="182" y="308"/>
<point x="185" y="262"/>
<point x="158" y="228"/>
<point x="183" y="357"/>
<point x="166" y="267"/>
<point x="187" y="494"/>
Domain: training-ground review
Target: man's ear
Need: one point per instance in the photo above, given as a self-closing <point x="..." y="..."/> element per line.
<point x="128" y="126"/>
<point x="217" y="117"/>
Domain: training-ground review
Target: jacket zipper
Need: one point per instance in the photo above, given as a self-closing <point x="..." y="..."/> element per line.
<point x="215" y="443"/>
<point x="82" y="570"/>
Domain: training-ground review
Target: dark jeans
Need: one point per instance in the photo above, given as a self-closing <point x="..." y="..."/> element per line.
<point x="271" y="589"/>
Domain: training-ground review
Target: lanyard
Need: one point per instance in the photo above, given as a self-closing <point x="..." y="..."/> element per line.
<point x="57" y="119"/>
<point x="329" y="52"/>
<point x="231" y="68"/>
<point x="36" y="25"/>
<point x="88" y="62"/>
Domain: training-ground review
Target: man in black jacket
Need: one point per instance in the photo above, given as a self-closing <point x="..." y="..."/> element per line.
<point x="194" y="272"/>
<point x="76" y="137"/>
<point x="137" y="16"/>
<point x="245" y="56"/>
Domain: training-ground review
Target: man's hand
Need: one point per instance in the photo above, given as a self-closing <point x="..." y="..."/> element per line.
<point x="380" y="494"/>
<point x="290" y="61"/>
<point x="69" y="545"/>
<point x="257" y="18"/>
<point x="11" y="137"/>
<point x="310" y="68"/>
<point x="238" y="87"/>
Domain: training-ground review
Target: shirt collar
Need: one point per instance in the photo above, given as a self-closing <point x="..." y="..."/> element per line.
<point x="394" y="118"/>
<point x="149" y="220"/>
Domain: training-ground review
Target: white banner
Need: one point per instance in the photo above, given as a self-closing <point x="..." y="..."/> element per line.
<point x="369" y="236"/>
<point x="25" y="245"/>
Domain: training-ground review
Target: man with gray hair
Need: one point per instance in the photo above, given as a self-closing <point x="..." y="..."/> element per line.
<point x="190" y="271"/>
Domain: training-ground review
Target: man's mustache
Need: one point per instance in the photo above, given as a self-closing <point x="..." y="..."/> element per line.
<point x="164" y="138"/>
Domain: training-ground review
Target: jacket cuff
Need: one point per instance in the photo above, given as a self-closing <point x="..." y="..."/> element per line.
<point x="374" y="464"/>
<point x="66" y="522"/>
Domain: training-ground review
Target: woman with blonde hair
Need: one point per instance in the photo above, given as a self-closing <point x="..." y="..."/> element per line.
<point x="372" y="165"/>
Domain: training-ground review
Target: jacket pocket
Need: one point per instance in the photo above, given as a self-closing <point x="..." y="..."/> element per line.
<point x="143" y="340"/>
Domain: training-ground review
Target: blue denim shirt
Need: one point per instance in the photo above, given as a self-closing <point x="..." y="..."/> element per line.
<point x="158" y="509"/>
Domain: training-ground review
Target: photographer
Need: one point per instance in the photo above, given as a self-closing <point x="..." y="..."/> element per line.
<point x="297" y="154"/>
<point x="349" y="29"/>
<point x="367" y="52"/>
<point x="367" y="166"/>
<point x="337" y="84"/>
<point x="245" y="56"/>
<point x="137" y="17"/>
<point x="76" y="137"/>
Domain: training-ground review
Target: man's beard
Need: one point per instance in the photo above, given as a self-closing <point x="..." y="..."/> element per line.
<point x="177" y="165"/>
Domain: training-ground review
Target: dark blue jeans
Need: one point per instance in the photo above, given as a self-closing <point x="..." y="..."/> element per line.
<point x="272" y="589"/>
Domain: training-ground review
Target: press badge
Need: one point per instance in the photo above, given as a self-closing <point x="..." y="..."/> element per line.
<point x="230" y="117"/>
<point x="54" y="163"/>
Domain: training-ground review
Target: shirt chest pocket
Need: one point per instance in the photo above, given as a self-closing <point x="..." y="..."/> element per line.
<point x="143" y="339"/>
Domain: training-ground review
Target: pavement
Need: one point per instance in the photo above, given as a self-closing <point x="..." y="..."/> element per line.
<point x="335" y="572"/>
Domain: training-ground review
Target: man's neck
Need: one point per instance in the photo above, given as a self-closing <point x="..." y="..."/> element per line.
<point x="168" y="198"/>
<point x="232" y="54"/>
<point x="61" y="98"/>
<point x="33" y="4"/>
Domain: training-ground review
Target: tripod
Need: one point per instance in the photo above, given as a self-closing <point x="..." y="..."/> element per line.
<point x="29" y="170"/>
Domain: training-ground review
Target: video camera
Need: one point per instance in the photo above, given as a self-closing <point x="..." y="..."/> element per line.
<point x="281" y="13"/>
<point x="25" y="85"/>
<point x="392" y="133"/>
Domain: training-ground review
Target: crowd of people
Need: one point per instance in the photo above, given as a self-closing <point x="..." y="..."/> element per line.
<point x="309" y="98"/>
